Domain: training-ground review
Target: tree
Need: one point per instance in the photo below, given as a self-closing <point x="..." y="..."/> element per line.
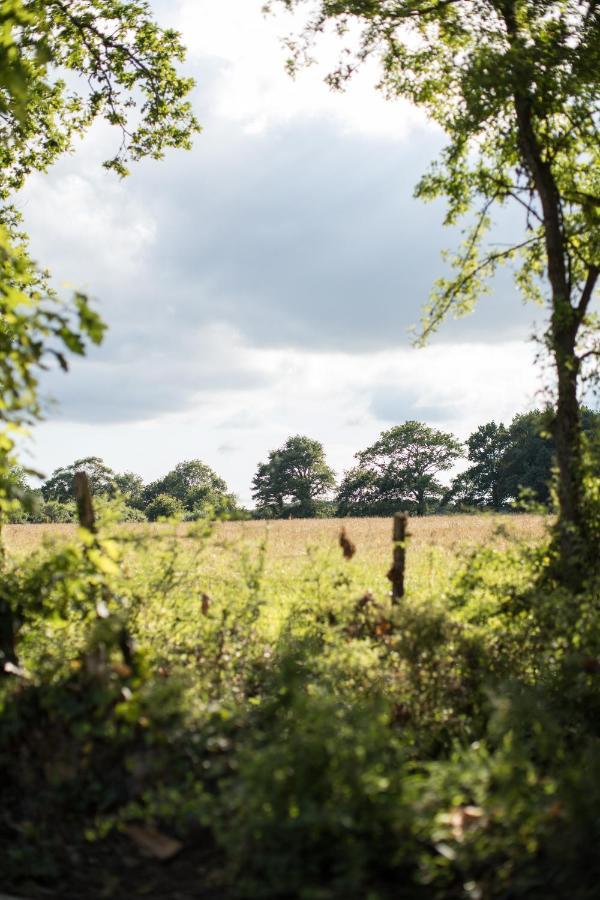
<point x="514" y="84"/>
<point x="485" y="482"/>
<point x="60" y="485"/>
<point x="529" y="456"/>
<point x="197" y="487"/>
<point x="63" y="65"/>
<point x="55" y="513"/>
<point x="399" y="471"/>
<point x="164" y="506"/>
<point x="131" y="486"/>
<point x="296" y="474"/>
<point x="517" y="459"/>
<point x="359" y="494"/>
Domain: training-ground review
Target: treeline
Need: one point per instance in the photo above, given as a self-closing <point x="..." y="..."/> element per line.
<point x="401" y="470"/>
<point x="190" y="491"/>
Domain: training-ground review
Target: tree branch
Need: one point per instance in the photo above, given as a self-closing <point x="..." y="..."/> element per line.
<point x="588" y="290"/>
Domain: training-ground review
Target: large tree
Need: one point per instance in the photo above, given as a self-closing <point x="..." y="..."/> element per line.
<point x="293" y="479"/>
<point x="131" y="487"/>
<point x="509" y="462"/>
<point x="399" y="471"/>
<point x="514" y="84"/>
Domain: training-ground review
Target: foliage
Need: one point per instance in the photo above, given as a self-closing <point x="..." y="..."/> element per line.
<point x="60" y="485"/>
<point x="519" y="460"/>
<point x="63" y="65"/>
<point x="293" y="479"/>
<point x="164" y="506"/>
<point x="131" y="487"/>
<point x="53" y="511"/>
<point x="71" y="62"/>
<point x="529" y="457"/>
<point x="31" y="332"/>
<point x="399" y="471"/>
<point x="318" y="741"/>
<point x="194" y="484"/>
<point x="483" y="484"/>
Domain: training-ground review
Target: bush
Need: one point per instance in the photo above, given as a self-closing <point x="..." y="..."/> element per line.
<point x="316" y="806"/>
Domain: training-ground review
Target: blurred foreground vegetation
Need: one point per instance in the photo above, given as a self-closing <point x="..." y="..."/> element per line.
<point x="274" y="727"/>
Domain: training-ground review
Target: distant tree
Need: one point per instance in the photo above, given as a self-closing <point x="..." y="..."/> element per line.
<point x="399" y="471"/>
<point x="195" y="485"/>
<point x="164" y="506"/>
<point x="508" y="462"/>
<point x="485" y="483"/>
<point x="60" y="485"/>
<point x="131" y="486"/>
<point x="529" y="456"/>
<point x="54" y="512"/>
<point x="359" y="494"/>
<point x="293" y="479"/>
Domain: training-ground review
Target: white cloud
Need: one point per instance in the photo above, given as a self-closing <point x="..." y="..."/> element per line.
<point x="253" y="88"/>
<point x="261" y="286"/>
<point x="91" y="224"/>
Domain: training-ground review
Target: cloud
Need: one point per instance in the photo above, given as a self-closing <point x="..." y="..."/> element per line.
<point x="141" y="385"/>
<point x="254" y="92"/>
<point x="263" y="284"/>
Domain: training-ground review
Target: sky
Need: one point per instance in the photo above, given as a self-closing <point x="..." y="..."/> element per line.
<point x="265" y="283"/>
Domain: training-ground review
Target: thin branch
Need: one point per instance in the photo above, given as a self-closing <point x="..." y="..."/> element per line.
<point x="457" y="286"/>
<point x="588" y="290"/>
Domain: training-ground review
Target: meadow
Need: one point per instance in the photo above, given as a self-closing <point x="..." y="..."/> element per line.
<point x="290" y="539"/>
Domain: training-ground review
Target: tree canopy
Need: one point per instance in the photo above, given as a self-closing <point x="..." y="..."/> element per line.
<point x="60" y="484"/>
<point x="293" y="479"/>
<point x="195" y="485"/>
<point x="399" y="471"/>
<point x="509" y="462"/>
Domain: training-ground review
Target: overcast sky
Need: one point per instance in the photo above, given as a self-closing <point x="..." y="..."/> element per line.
<point x="263" y="285"/>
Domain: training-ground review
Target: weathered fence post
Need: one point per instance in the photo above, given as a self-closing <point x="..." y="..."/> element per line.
<point x="396" y="573"/>
<point x="85" y="507"/>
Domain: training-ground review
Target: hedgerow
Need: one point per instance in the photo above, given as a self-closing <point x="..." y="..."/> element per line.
<point x="324" y="742"/>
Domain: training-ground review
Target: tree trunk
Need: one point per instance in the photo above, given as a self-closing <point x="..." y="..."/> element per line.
<point x="572" y="545"/>
<point x="571" y="527"/>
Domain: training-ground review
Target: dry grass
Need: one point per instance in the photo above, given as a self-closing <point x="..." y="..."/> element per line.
<point x="288" y="540"/>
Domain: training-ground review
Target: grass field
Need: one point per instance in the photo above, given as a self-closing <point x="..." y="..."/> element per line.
<point x="288" y="540"/>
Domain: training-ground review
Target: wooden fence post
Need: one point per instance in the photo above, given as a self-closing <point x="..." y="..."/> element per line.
<point x="85" y="507"/>
<point x="396" y="573"/>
